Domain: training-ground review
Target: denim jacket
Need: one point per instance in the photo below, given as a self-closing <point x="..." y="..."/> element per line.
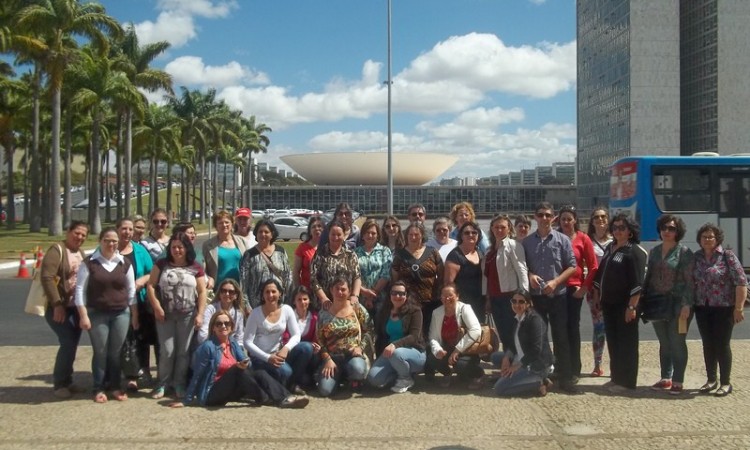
<point x="205" y="363"/>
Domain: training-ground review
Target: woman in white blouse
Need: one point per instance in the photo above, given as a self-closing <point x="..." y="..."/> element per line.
<point x="264" y="333"/>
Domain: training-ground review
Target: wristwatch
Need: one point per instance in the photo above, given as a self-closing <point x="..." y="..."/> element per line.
<point x="631" y="307"/>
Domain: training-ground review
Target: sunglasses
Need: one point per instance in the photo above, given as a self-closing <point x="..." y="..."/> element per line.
<point x="518" y="301"/>
<point x="619" y="228"/>
<point x="470" y="233"/>
<point x="159" y="222"/>
<point x="670" y="228"/>
<point x="441" y="230"/>
<point x="544" y="215"/>
<point x="398" y="293"/>
<point x="345" y="214"/>
<point x="228" y="291"/>
<point x="391" y="225"/>
<point x="223" y="324"/>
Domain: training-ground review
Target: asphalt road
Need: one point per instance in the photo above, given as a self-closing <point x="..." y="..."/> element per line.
<point x="19" y="328"/>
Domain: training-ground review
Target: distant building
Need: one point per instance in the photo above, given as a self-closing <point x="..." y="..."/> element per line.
<point x="564" y="172"/>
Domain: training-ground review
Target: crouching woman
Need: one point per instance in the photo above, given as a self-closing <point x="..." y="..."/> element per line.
<point x="525" y="365"/>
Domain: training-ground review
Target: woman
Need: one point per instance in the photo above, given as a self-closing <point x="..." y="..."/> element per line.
<point x="441" y="240"/>
<point x="157" y="239"/>
<point x="446" y="343"/>
<point x="720" y="287"/>
<point x="264" y="261"/>
<point x="307" y="322"/>
<point x="178" y="308"/>
<point x="243" y="226"/>
<point x="344" y="334"/>
<point x="139" y="227"/>
<point x="505" y="272"/>
<point x="421" y="268"/>
<point x="331" y="261"/>
<point x="221" y="374"/>
<point x="189" y="229"/>
<point x="142" y="264"/>
<point x="525" y="365"/>
<point x="669" y="278"/>
<point x="464" y="268"/>
<point x="617" y="289"/>
<point x="599" y="234"/>
<point x="59" y="272"/>
<point x="400" y="343"/>
<point x="579" y="284"/>
<point x="105" y="298"/>
<point x="522" y="226"/>
<point x="460" y="214"/>
<point x="229" y="299"/>
<point x="223" y="252"/>
<point x="344" y="214"/>
<point x="374" y="266"/>
<point x="286" y="362"/>
<point x="305" y="252"/>
<point x="391" y="235"/>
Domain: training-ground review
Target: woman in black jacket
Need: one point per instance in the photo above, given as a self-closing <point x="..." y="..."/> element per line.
<point x="524" y="370"/>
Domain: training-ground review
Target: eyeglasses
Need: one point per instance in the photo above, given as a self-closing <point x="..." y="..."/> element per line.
<point x="470" y="233"/>
<point x="619" y="228"/>
<point x="416" y="214"/>
<point x="159" y="222"/>
<point x="228" y="291"/>
<point x="398" y="293"/>
<point x="441" y="230"/>
<point x="708" y="238"/>
<point x="670" y="228"/>
<point x="542" y="215"/>
<point x="518" y="301"/>
<point x="223" y="324"/>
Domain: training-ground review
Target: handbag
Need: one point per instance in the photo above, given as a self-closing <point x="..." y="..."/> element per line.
<point x="656" y="307"/>
<point x="129" y="363"/>
<point x="36" y="300"/>
<point x="481" y="346"/>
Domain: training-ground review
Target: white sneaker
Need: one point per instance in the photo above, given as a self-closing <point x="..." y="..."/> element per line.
<point x="402" y="385"/>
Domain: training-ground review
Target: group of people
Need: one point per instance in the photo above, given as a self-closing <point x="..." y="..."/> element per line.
<point x="377" y="305"/>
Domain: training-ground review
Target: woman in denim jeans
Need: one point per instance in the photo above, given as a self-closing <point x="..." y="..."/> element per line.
<point x="669" y="274"/>
<point x="105" y="298"/>
<point x="59" y="272"/>
<point x="399" y="340"/>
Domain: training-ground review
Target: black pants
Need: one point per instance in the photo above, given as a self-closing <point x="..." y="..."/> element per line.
<point x="427" y="310"/>
<point x="237" y="383"/>
<point x="146" y="336"/>
<point x="505" y="318"/>
<point x="574" y="331"/>
<point x="467" y="367"/>
<point x="715" y="325"/>
<point x="622" y="344"/>
<point x="554" y="311"/>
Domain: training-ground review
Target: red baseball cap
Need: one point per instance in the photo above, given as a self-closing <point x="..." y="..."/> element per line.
<point x="243" y="212"/>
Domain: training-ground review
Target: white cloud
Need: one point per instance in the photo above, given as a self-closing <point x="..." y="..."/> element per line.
<point x="538" y="2"/>
<point x="191" y="70"/>
<point x="175" y="22"/>
<point x="485" y="63"/>
<point x="202" y="8"/>
<point x="157" y="97"/>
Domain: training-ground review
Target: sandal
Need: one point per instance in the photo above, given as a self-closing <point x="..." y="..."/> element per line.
<point x="157" y="393"/>
<point x="708" y="387"/>
<point x="132" y="386"/>
<point x="597" y="372"/>
<point x="119" y="396"/>
<point x="100" y="397"/>
<point x="724" y="390"/>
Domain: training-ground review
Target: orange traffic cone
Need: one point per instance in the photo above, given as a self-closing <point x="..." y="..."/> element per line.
<point x="23" y="271"/>
<point x="39" y="257"/>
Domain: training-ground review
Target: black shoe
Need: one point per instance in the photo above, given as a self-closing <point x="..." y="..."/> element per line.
<point x="724" y="390"/>
<point x="575" y="379"/>
<point x="708" y="387"/>
<point x="570" y="389"/>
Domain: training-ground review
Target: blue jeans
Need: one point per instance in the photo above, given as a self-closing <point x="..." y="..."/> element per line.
<point x="352" y="369"/>
<point x="291" y="370"/>
<point x="68" y="335"/>
<point x="673" y="352"/>
<point x="175" y="334"/>
<point x="404" y="362"/>
<point x="523" y="382"/>
<point x="107" y="334"/>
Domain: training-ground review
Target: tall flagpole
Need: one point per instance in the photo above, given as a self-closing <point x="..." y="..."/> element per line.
<point x="390" y="143"/>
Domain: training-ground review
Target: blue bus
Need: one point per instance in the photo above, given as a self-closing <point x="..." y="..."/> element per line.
<point x="701" y="188"/>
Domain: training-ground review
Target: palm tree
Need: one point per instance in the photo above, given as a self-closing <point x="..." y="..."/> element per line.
<point x="13" y="101"/>
<point x="57" y="22"/>
<point x="137" y="59"/>
<point x="254" y="140"/>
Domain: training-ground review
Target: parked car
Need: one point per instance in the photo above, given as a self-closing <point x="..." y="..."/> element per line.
<point x="291" y="228"/>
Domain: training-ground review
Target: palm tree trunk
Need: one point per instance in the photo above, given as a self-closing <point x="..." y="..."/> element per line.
<point x="10" y="204"/>
<point x="35" y="217"/>
<point x="55" y="222"/>
<point x="94" y="216"/>
<point x="118" y="165"/>
<point x="139" y="189"/>
<point x="205" y="205"/>
<point x="67" y="175"/>
<point x="224" y="187"/>
<point x="215" y="185"/>
<point x="152" y="188"/>
<point x="169" y="190"/>
<point x="107" y="193"/>
<point x="128" y="163"/>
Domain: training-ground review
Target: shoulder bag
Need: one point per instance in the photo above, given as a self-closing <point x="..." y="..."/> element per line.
<point x="36" y="300"/>
<point x="481" y="346"/>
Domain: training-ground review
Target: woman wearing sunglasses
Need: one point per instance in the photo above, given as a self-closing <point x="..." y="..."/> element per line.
<point x="669" y="280"/>
<point x="158" y="238"/>
<point x="525" y="365"/>
<point x="229" y="298"/>
<point x="617" y="289"/>
<point x="463" y="266"/>
<point x="390" y="233"/>
<point x="221" y="373"/>
<point x="399" y="342"/>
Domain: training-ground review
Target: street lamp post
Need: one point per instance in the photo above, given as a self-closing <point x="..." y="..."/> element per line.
<point x="390" y="143"/>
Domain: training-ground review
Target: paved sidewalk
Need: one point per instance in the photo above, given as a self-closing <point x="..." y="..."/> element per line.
<point x="30" y="417"/>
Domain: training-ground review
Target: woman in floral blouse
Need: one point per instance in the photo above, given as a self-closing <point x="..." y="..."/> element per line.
<point x="332" y="260"/>
<point x="670" y="276"/>
<point x="720" y="292"/>
<point x="374" y="266"/>
<point x="345" y="338"/>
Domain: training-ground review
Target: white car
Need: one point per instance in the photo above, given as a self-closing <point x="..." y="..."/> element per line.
<point x="291" y="228"/>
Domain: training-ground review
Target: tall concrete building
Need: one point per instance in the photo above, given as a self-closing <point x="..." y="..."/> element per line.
<point x="664" y="77"/>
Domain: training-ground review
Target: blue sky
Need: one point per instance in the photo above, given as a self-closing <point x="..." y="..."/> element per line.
<point x="490" y="81"/>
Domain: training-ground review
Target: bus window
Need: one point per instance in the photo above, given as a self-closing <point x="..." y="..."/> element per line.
<point x="678" y="189"/>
